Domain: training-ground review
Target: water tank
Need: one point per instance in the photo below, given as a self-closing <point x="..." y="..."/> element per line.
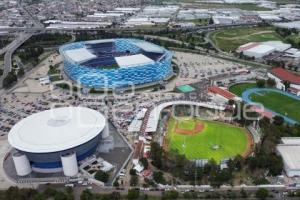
<point x="22" y="164"/>
<point x="69" y="164"/>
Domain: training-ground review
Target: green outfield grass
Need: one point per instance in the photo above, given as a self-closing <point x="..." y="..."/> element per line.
<point x="279" y="103"/>
<point x="231" y="39"/>
<point x="239" y="88"/>
<point x="231" y="140"/>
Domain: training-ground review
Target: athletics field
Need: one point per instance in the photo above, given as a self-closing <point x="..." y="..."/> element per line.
<point x="198" y="139"/>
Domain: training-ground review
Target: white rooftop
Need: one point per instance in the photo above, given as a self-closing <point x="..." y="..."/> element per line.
<point x="80" y="55"/>
<point x="149" y="47"/>
<point x="135" y="126"/>
<point x="261" y="49"/>
<point x="133" y="60"/>
<point x="56" y="130"/>
<point x="290" y="140"/>
<point x="290" y="155"/>
<point x="278" y="45"/>
<point x="99" y="41"/>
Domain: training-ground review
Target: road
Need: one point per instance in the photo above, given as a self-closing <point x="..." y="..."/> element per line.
<point x="277" y="192"/>
<point x="9" y="52"/>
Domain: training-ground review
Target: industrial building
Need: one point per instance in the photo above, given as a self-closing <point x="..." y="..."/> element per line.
<point x="281" y="76"/>
<point x="56" y="140"/>
<point x="258" y="50"/>
<point x="289" y="151"/>
<point x="116" y="63"/>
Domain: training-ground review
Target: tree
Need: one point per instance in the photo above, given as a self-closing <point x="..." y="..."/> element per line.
<point x="170" y="195"/>
<point x="9" y="79"/>
<point x="86" y="195"/>
<point x="132" y="172"/>
<point x="260" y="83"/>
<point x="262" y="193"/>
<point x="102" y="176"/>
<point x="133" y="194"/>
<point x="243" y="193"/>
<point x="115" y="196"/>
<point x="116" y="183"/>
<point x="158" y="177"/>
<point x="144" y="162"/>
<point x="156" y="155"/>
<point x="278" y="120"/>
<point x="271" y="82"/>
<point x="134" y="180"/>
<point x="21" y="72"/>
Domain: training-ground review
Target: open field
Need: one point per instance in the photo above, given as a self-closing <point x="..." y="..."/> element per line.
<point x="239" y="88"/>
<point x="216" y="140"/>
<point x="279" y="103"/>
<point x="231" y="39"/>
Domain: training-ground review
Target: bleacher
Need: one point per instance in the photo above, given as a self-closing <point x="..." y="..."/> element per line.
<point x="152" y="55"/>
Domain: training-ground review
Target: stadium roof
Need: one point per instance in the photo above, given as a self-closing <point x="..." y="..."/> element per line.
<point x="224" y="93"/>
<point x="247" y="46"/>
<point x="290" y="155"/>
<point x="99" y="41"/>
<point x="279" y="45"/>
<point x="149" y="47"/>
<point x="80" y="55"/>
<point x="261" y="49"/>
<point x="154" y="116"/>
<point x="133" y="60"/>
<point x="285" y="75"/>
<point x="56" y="130"/>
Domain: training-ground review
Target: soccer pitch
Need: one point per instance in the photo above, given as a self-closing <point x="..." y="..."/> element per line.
<point x="279" y="103"/>
<point x="216" y="141"/>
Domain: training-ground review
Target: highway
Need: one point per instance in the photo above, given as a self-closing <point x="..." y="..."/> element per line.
<point x="9" y="50"/>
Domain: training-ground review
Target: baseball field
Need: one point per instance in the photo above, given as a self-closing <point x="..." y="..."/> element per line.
<point x="199" y="139"/>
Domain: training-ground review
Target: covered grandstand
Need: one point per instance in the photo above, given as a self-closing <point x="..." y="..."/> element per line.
<point x="114" y="63"/>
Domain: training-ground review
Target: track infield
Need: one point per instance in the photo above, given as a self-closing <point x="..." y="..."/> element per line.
<point x="215" y="140"/>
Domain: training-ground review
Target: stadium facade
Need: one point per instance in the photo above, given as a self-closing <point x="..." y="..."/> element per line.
<point x="56" y="140"/>
<point x="116" y="63"/>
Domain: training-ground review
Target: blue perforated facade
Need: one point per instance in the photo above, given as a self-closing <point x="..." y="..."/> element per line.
<point x="92" y="75"/>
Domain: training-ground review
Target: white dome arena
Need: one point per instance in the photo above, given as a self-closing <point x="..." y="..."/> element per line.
<point x="46" y="136"/>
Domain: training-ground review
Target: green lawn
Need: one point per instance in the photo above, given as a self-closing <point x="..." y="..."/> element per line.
<point x="239" y="88"/>
<point x="231" y="141"/>
<point x="231" y="39"/>
<point x="278" y="103"/>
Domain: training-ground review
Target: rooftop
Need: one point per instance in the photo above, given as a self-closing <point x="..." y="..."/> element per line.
<point x="290" y="155"/>
<point x="80" y="55"/>
<point x="133" y="60"/>
<point x="56" y="130"/>
<point x="286" y="75"/>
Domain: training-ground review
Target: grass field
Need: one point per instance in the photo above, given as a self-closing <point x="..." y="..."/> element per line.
<point x="279" y="103"/>
<point x="231" y="140"/>
<point x="238" y="89"/>
<point x="231" y="39"/>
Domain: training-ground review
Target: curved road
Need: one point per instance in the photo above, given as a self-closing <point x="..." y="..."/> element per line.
<point x="10" y="49"/>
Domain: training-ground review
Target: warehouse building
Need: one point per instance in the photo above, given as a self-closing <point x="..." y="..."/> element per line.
<point x="290" y="151"/>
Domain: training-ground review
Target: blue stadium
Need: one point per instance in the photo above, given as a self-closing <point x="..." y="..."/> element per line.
<point x="116" y="63"/>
